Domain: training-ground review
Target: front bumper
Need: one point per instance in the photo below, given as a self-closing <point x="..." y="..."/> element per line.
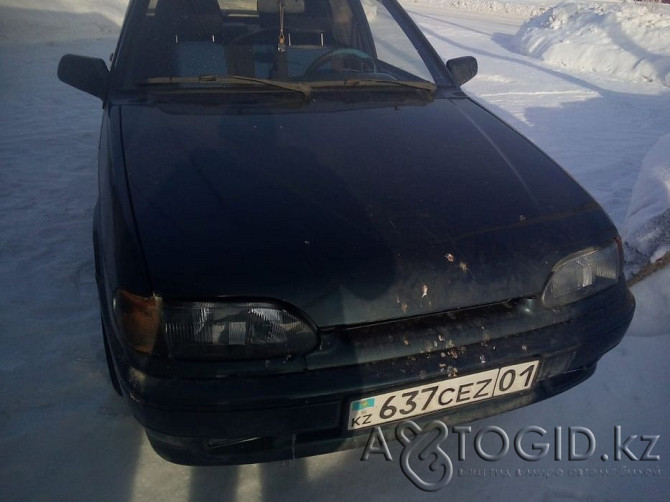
<point x="199" y="418"/>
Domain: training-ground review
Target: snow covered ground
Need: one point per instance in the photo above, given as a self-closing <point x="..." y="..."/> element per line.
<point x="64" y="434"/>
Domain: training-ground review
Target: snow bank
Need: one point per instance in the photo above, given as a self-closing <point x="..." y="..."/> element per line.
<point x="630" y="41"/>
<point x="39" y="21"/>
<point x="652" y="312"/>
<point x="646" y="230"/>
<point x="518" y="8"/>
<point x="513" y="8"/>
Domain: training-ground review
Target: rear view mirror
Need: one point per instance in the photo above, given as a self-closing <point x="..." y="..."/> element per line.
<point x="290" y="6"/>
<point x="86" y="74"/>
<point x="463" y="69"/>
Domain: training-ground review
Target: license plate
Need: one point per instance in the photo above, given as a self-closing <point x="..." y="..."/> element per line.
<point x="436" y="396"/>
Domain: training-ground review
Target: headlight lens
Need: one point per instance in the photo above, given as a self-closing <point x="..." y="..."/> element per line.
<point x="212" y="330"/>
<point x="583" y="274"/>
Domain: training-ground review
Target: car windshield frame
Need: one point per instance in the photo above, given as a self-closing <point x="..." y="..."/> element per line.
<point x="137" y="9"/>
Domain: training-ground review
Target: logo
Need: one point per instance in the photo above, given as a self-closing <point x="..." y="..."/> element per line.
<point x="422" y="460"/>
<point x="415" y="448"/>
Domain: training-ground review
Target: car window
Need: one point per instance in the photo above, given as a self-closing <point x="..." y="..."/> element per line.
<point x="391" y="43"/>
<point x="193" y="43"/>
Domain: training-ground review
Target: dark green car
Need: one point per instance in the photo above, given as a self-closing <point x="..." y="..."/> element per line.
<point x="305" y="229"/>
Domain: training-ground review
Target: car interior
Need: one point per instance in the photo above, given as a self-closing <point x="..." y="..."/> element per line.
<point x="263" y="39"/>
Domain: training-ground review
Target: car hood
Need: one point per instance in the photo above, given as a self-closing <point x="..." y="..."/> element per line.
<point x="353" y="215"/>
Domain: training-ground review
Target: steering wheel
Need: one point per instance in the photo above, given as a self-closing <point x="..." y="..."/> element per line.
<point x="364" y="61"/>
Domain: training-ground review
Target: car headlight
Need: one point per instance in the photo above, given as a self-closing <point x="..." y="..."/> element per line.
<point x="212" y="330"/>
<point x="583" y="274"/>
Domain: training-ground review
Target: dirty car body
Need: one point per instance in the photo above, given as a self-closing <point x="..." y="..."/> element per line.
<point x="305" y="229"/>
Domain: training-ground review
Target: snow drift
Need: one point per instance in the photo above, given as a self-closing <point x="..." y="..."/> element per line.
<point x="646" y="230"/>
<point x="630" y="41"/>
<point x="519" y="8"/>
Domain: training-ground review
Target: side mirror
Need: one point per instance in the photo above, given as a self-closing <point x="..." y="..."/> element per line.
<point x="86" y="74"/>
<point x="463" y="69"/>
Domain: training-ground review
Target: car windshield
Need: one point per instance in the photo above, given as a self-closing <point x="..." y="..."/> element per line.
<point x="281" y="45"/>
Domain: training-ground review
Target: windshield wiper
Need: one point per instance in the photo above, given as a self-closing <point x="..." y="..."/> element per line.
<point x="377" y="82"/>
<point x="304" y="89"/>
